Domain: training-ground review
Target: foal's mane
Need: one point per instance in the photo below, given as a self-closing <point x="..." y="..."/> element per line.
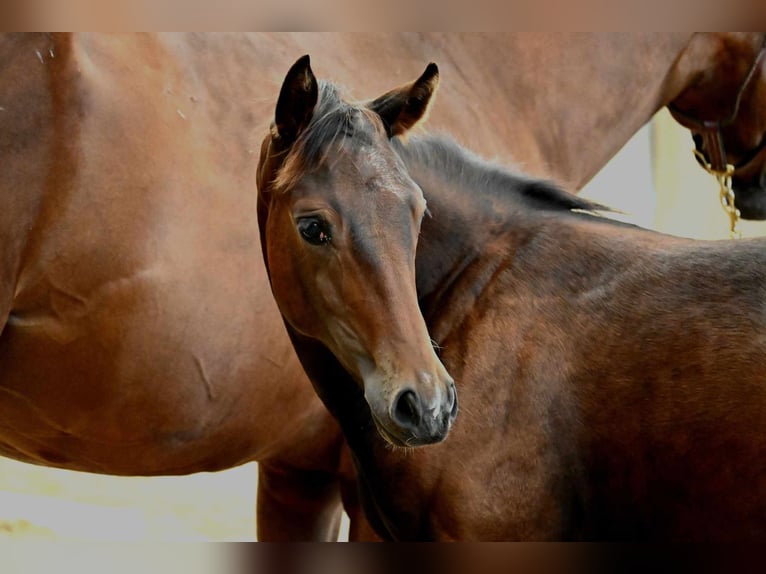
<point x="458" y="165"/>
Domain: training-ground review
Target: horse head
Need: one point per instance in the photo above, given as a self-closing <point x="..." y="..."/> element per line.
<point x="339" y="220"/>
<point x="724" y="106"/>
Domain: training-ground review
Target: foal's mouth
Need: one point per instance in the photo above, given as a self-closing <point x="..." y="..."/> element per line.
<point x="407" y="439"/>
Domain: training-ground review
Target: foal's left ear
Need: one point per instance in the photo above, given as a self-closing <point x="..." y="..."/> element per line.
<point x="403" y="107"/>
<point x="296" y="102"/>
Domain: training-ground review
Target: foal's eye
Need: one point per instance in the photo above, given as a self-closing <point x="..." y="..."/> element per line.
<point x="315" y="230"/>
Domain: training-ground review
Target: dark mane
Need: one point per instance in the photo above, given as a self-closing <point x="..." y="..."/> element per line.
<point x="334" y="121"/>
<point x="445" y="156"/>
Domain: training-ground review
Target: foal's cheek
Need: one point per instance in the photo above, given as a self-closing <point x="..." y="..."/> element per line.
<point x="284" y="255"/>
<point x="328" y="290"/>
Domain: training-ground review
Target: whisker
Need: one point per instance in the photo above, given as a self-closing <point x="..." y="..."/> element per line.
<point x="463" y="410"/>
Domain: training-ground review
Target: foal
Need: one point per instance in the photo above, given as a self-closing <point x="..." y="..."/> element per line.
<point x="611" y="379"/>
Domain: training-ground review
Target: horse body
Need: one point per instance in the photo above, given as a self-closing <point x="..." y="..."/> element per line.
<point x="610" y="378"/>
<point x="128" y="246"/>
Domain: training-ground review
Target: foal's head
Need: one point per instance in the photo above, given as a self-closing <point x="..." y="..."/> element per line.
<point x="339" y="219"/>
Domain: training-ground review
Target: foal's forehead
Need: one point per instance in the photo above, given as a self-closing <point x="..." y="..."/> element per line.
<point x="347" y="148"/>
<point x="370" y="169"/>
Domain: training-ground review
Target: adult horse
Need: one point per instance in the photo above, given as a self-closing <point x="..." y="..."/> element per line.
<point x="137" y="331"/>
<point x="611" y="379"/>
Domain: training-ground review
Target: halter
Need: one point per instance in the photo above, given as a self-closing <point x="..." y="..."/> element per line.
<point x="715" y="162"/>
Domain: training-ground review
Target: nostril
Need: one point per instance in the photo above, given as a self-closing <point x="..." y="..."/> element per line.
<point x="453" y="400"/>
<point x="407" y="409"/>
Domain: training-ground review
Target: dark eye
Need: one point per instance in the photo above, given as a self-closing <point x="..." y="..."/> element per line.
<point x="315" y="230"/>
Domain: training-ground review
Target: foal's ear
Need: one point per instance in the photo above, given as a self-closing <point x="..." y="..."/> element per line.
<point x="403" y="107"/>
<point x="296" y="102"/>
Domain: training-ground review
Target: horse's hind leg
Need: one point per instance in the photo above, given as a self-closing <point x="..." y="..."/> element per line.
<point x="297" y="505"/>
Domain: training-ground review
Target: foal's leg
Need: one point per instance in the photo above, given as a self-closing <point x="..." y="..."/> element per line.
<point x="296" y="504"/>
<point x="360" y="529"/>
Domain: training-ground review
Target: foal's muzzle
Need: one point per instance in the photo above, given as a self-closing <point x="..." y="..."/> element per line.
<point x="418" y="419"/>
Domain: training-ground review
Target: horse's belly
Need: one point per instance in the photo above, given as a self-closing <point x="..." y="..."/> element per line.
<point x="154" y="373"/>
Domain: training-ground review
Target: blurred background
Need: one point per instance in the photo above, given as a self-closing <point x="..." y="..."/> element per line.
<point x="654" y="180"/>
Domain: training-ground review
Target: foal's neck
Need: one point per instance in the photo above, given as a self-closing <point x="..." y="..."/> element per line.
<point x="482" y="221"/>
<point x="454" y="251"/>
<point x="467" y="235"/>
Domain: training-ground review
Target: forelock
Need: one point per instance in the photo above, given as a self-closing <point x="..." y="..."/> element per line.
<point x="334" y="121"/>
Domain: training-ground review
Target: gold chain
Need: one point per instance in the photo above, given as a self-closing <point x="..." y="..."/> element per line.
<point x="726" y="193"/>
